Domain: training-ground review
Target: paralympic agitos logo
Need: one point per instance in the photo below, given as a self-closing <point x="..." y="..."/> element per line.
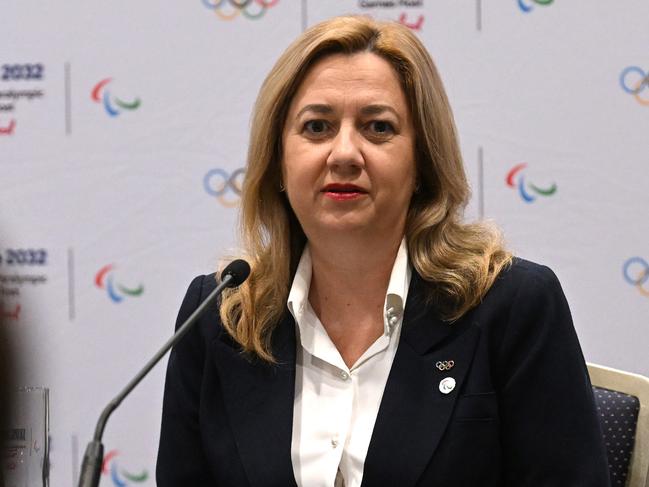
<point x="528" y="5"/>
<point x="105" y="279"/>
<point x="231" y="9"/>
<point x="529" y="192"/>
<point x="635" y="81"/>
<point x="121" y="477"/>
<point x="112" y="104"/>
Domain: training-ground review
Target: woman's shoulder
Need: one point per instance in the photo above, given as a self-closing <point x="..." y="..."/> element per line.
<point x="523" y="275"/>
<point x="522" y="289"/>
<point x="202" y="285"/>
<point x="199" y="289"/>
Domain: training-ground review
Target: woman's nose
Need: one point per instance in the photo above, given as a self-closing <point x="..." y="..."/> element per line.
<point x="345" y="148"/>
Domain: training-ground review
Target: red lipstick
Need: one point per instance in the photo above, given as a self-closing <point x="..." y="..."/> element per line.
<point x="343" y="191"/>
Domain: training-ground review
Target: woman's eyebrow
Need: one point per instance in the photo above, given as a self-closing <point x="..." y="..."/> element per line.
<point x="378" y="109"/>
<point x="317" y="108"/>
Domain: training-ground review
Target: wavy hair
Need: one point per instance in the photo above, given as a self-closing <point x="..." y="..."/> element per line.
<point x="459" y="261"/>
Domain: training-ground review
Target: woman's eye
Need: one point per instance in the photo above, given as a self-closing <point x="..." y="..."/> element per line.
<point x="381" y="127"/>
<point x="315" y="126"/>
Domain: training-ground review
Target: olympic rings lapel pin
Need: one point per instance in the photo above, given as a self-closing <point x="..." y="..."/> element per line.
<point x="445" y="365"/>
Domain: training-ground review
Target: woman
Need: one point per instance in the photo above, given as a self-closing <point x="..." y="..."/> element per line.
<point x="379" y="340"/>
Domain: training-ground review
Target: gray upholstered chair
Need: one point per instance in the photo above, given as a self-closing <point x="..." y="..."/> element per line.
<point x="623" y="404"/>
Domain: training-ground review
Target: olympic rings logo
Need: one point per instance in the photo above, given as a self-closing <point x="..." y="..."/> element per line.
<point x="528" y="8"/>
<point x="231" y="9"/>
<point x="225" y="187"/>
<point x="445" y="365"/>
<point x="636" y="273"/>
<point x="634" y="80"/>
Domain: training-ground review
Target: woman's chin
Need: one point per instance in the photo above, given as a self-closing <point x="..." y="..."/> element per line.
<point x="344" y="227"/>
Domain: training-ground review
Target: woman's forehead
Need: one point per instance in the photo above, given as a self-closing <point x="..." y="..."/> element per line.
<point x="361" y="78"/>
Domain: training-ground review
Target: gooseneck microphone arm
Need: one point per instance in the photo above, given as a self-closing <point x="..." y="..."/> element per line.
<point x="233" y="275"/>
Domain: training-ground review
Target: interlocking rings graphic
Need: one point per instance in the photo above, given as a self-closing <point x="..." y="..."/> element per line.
<point x="116" y="292"/>
<point x="527" y="8"/>
<point x="634" y="81"/>
<point x="120" y="476"/>
<point x="100" y="94"/>
<point x="226" y="187"/>
<point x="231" y="9"/>
<point x="445" y="365"/>
<point x="9" y="128"/>
<point x="636" y="273"/>
<point x="522" y="187"/>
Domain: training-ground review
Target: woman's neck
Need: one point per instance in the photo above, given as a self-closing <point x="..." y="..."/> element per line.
<point x="353" y="267"/>
<point x="347" y="291"/>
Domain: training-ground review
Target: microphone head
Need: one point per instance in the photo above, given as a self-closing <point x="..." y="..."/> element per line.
<point x="239" y="270"/>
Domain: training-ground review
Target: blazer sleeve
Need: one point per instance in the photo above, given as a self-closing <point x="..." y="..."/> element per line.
<point x="551" y="434"/>
<point x="181" y="458"/>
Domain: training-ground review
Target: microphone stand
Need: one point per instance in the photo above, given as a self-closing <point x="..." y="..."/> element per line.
<point x="94" y="455"/>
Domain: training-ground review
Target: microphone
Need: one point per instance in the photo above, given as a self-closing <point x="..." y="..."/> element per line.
<point x="234" y="274"/>
<point x="238" y="270"/>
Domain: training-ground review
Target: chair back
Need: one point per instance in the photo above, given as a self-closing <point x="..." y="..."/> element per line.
<point x="622" y="400"/>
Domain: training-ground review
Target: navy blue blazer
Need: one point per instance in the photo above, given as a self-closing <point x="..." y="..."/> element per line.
<point x="522" y="413"/>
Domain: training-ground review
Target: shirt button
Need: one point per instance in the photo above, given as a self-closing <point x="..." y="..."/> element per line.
<point x="334" y="442"/>
<point x="344" y="375"/>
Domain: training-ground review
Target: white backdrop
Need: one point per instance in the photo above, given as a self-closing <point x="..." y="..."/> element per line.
<point x="120" y="123"/>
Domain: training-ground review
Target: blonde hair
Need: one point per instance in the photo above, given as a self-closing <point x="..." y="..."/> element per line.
<point x="459" y="261"/>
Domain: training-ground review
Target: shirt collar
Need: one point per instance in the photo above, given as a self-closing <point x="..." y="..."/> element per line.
<point x="395" y="298"/>
<point x="299" y="293"/>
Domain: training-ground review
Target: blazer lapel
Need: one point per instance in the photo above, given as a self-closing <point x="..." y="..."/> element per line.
<point x="414" y="412"/>
<point x="259" y="403"/>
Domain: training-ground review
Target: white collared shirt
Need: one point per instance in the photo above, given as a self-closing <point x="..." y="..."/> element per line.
<point x="335" y="407"/>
